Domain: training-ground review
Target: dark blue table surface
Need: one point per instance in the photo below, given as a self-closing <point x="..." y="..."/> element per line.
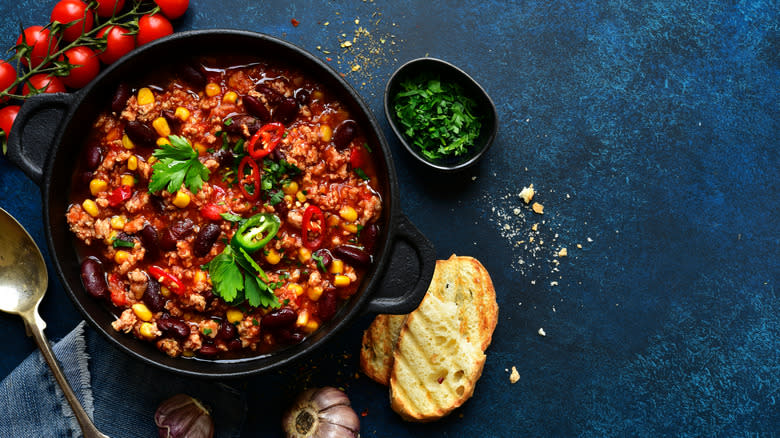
<point x="650" y="132"/>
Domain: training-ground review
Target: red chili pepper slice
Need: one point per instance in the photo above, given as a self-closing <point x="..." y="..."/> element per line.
<point x="269" y="135"/>
<point x="118" y="296"/>
<point x="120" y="195"/>
<point x="313" y="212"/>
<point x="356" y="158"/>
<point x="212" y="211"/>
<point x="255" y="178"/>
<point x="171" y="282"/>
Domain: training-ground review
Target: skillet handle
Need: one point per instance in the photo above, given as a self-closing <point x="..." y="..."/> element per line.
<point x="35" y="130"/>
<point x="406" y="280"/>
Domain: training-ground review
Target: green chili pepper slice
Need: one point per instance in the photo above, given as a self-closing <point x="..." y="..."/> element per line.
<point x="256" y="231"/>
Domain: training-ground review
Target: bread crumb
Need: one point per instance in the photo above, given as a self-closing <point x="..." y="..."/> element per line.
<point x="563" y="252"/>
<point x="537" y="208"/>
<point x="527" y="193"/>
<point x="515" y="376"/>
<point x="541" y="332"/>
<point x="579" y="246"/>
<point x="553" y="283"/>
<point x="535" y="227"/>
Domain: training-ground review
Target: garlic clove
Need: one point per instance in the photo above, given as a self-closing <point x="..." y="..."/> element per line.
<point x="341" y="415"/>
<point x="328" y="396"/>
<point x="182" y="416"/>
<point x="329" y="430"/>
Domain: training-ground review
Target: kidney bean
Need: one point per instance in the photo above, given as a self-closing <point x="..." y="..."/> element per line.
<point x="173" y="122"/>
<point x="94" y="278"/>
<point x="344" y="133"/>
<point x="352" y="254"/>
<point x="207" y="295"/>
<point x="172" y="234"/>
<point x="173" y="327"/>
<point x="205" y="239"/>
<point x="140" y="133"/>
<point x="150" y="241"/>
<point x="192" y="75"/>
<point x="227" y="331"/>
<point x="121" y="95"/>
<point x="94" y="156"/>
<point x="152" y="296"/>
<point x="280" y="318"/>
<point x="271" y="95"/>
<point x="238" y="123"/>
<point x="325" y="255"/>
<point x="257" y="108"/>
<point x="368" y="236"/>
<point x="86" y="177"/>
<point x="327" y="304"/>
<point x="234" y="345"/>
<point x="302" y="96"/>
<point x="225" y="157"/>
<point x="286" y="111"/>
<point x="289" y="336"/>
<point x="208" y="350"/>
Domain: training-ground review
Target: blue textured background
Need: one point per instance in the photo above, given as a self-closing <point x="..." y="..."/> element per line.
<point x="650" y="130"/>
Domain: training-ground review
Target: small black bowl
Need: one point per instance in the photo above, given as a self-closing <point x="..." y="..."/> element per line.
<point x="446" y="72"/>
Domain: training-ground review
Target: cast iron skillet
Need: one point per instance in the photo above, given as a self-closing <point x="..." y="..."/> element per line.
<point x="47" y="140"/>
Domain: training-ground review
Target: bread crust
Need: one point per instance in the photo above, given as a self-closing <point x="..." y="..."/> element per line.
<point x="376" y="352"/>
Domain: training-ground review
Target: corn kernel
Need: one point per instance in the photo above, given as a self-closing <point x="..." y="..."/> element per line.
<point x="351" y="228"/>
<point x="290" y="188"/>
<point x="162" y="141"/>
<point x="337" y="266"/>
<point x="348" y="214"/>
<point x="300" y="196"/>
<point x="90" y="207"/>
<point x="118" y="222"/>
<point x="132" y="163"/>
<point x="311" y="326"/>
<point x="234" y="315"/>
<point x="151" y="160"/>
<point x="121" y="257"/>
<point x="304" y="255"/>
<point x="127" y="180"/>
<point x="181" y="199"/>
<point x="164" y="291"/>
<point x="326" y="133"/>
<point x="147" y="330"/>
<point x="161" y="126"/>
<point x="341" y="281"/>
<point x="295" y="288"/>
<point x="303" y="318"/>
<point x="314" y="293"/>
<point x="201" y="148"/>
<point x="182" y="113"/>
<point x="127" y="143"/>
<point x="97" y="185"/>
<point x="288" y="199"/>
<point x="332" y="220"/>
<point x="145" y="96"/>
<point x="212" y="90"/>
<point x="273" y="257"/>
<point x="142" y="312"/>
<point x="111" y="236"/>
<point x="200" y="277"/>
<point x="230" y="97"/>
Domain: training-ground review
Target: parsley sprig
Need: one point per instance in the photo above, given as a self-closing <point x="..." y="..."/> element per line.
<point x="178" y="163"/>
<point x="236" y="276"/>
<point x="438" y="117"/>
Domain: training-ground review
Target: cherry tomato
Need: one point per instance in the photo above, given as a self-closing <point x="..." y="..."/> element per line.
<point x="7" y="117"/>
<point x="212" y="211"/>
<point x="7" y="77"/>
<point x="89" y="66"/>
<point x="41" y="42"/>
<point x="44" y="83"/>
<point x="152" y="27"/>
<point x="118" y="43"/>
<point x="75" y="15"/>
<point x="107" y="8"/>
<point x="173" y="9"/>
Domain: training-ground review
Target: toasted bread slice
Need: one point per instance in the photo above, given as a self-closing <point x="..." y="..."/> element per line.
<point x="435" y="367"/>
<point x="376" y="353"/>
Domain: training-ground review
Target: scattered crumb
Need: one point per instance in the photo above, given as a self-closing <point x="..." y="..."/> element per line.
<point x="579" y="246"/>
<point x="535" y="227"/>
<point x="541" y="332"/>
<point x="295" y="22"/>
<point x="563" y="252"/>
<point x="515" y="376"/>
<point x="553" y="283"/>
<point x="527" y="193"/>
<point x="538" y="208"/>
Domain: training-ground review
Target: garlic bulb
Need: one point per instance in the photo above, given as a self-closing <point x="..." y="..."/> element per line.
<point x="321" y="413"/>
<point x="181" y="416"/>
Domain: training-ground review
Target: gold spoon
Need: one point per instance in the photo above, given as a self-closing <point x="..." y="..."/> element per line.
<point x="23" y="282"/>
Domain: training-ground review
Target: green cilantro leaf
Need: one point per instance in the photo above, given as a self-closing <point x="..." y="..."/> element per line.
<point x="320" y="263"/>
<point x="231" y="217"/>
<point x="235" y="276"/>
<point x="226" y="275"/>
<point x="178" y="163"/>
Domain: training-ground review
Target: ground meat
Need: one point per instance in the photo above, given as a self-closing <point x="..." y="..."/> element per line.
<point x="125" y="322"/>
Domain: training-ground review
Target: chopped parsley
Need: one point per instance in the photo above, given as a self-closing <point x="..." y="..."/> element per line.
<point x="206" y="331"/>
<point x="178" y="163"/>
<point x="361" y="174"/>
<point x="121" y="243"/>
<point x="231" y="217"/>
<point x="320" y="263"/>
<point x="437" y="116"/>
<point x="275" y="175"/>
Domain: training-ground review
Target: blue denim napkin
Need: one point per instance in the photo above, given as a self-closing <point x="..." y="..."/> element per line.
<point x="119" y="393"/>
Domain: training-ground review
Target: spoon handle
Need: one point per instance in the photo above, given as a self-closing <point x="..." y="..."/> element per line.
<point x="35" y="326"/>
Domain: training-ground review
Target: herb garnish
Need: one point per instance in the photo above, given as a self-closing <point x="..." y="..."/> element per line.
<point x="437" y="116"/>
<point x="231" y="217"/>
<point x="178" y="164"/>
<point x="320" y="262"/>
<point x="236" y="276"/>
<point x="275" y="175"/>
<point x="121" y="243"/>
